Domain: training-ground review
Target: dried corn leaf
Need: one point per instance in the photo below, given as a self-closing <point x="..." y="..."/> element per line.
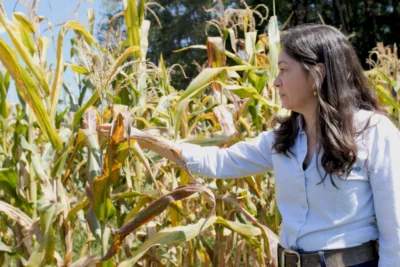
<point x="154" y="209"/>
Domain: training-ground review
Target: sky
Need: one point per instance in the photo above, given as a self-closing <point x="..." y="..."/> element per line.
<point x="58" y="12"/>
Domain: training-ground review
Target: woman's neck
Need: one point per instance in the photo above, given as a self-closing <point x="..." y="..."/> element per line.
<point x="310" y="125"/>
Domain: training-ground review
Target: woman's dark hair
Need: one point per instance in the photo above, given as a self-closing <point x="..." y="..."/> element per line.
<point x="342" y="91"/>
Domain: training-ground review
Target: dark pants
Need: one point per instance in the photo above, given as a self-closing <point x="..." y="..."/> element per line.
<point x="373" y="263"/>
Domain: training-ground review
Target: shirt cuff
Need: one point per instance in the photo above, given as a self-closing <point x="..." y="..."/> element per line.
<point x="191" y="155"/>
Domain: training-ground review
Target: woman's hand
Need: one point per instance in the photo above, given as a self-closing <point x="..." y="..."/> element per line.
<point x="104" y="128"/>
<point x="161" y="146"/>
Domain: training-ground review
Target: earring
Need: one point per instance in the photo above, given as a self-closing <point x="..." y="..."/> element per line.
<point x="315" y="93"/>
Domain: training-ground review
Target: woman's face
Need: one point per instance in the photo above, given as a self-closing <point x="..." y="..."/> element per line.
<point x="294" y="84"/>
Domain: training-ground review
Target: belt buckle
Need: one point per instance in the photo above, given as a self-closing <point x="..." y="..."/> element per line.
<point x="290" y="252"/>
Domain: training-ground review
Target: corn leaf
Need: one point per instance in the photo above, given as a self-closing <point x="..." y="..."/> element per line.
<point x="78" y="69"/>
<point x="216" y="58"/>
<point x="237" y="59"/>
<point x="28" y="90"/>
<point x="102" y="205"/>
<point x="274" y="46"/>
<point x="57" y="83"/>
<point x="133" y="23"/>
<point x="249" y="92"/>
<point x="91" y="17"/>
<point x="155" y="209"/>
<point x="268" y="234"/>
<point x="14" y="35"/>
<point x="198" y="85"/>
<point x="14" y="213"/>
<point x="24" y="21"/>
<point x="76" y="26"/>
<point x="387" y="97"/>
<point x="179" y="234"/>
<point x="8" y="183"/>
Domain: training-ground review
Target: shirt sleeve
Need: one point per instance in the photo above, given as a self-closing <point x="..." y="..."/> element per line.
<point x="385" y="184"/>
<point x="243" y="159"/>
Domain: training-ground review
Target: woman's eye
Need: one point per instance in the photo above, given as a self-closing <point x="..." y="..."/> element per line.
<point x="281" y="70"/>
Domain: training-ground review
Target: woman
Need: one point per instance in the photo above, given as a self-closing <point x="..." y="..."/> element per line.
<point x="333" y="157"/>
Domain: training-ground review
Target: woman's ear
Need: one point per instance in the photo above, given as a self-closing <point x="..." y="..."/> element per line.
<point x="322" y="70"/>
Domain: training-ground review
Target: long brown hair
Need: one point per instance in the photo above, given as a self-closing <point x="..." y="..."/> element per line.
<point x="342" y="91"/>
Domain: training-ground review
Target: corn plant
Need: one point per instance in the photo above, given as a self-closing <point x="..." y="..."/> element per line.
<point x="385" y="77"/>
<point x="71" y="196"/>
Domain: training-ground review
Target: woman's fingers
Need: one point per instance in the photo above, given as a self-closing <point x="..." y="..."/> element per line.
<point x="104" y="128"/>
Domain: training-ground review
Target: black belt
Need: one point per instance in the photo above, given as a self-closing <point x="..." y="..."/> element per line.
<point x="335" y="258"/>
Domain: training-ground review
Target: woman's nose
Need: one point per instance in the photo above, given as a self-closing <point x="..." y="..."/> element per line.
<point x="277" y="83"/>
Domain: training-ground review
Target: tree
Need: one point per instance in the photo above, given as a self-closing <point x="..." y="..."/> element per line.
<point x="366" y="22"/>
<point x="182" y="24"/>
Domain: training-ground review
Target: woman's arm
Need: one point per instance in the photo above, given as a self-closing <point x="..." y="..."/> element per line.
<point x="385" y="183"/>
<point x="240" y="160"/>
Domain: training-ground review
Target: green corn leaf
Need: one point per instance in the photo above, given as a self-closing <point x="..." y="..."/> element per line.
<point x="179" y="234"/>
<point x="133" y="23"/>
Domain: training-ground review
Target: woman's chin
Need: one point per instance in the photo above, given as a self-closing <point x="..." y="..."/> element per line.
<point x="285" y="105"/>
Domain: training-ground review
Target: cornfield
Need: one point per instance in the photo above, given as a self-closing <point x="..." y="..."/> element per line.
<point x="71" y="196"/>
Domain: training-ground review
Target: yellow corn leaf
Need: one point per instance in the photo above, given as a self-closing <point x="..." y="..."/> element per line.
<point x="78" y="69"/>
<point x="14" y="35"/>
<point x="387" y="97"/>
<point x="28" y="90"/>
<point x="58" y="75"/>
<point x="24" y="21"/>
<point x="76" y="26"/>
<point x="27" y="40"/>
<point x="175" y="216"/>
<point x="143" y="201"/>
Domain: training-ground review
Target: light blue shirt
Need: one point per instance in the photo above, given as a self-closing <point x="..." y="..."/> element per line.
<point x="316" y="216"/>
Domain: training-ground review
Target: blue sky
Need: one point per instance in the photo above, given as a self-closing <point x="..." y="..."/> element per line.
<point x="57" y="11"/>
